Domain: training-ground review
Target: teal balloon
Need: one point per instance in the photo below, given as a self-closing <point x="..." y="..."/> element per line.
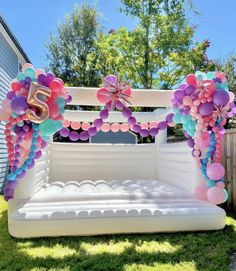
<point x="60" y="101"/>
<point x="48" y="127"/>
<point x="210" y="75"/>
<point x="13" y="115"/>
<point x="45" y="138"/>
<point x="58" y="125"/>
<point x="211" y="183"/>
<point x="177" y="118"/>
<point x="20" y="76"/>
<point x="30" y="72"/>
<point x="62" y="110"/>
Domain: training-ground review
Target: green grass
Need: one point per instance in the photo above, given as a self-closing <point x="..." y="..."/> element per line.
<point x="208" y="251"/>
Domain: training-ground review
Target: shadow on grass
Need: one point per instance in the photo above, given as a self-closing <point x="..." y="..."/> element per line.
<point x="204" y="250"/>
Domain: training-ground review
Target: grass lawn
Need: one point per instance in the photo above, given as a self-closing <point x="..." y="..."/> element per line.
<point x="179" y="251"/>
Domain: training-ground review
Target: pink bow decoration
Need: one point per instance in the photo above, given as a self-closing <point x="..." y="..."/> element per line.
<point x="114" y="91"/>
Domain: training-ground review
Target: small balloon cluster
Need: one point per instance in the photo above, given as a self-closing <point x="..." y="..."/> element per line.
<point x="202" y="105"/>
<point x="33" y="112"/>
<point x="116" y="94"/>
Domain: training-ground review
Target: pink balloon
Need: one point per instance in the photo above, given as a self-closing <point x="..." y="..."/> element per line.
<point x="105" y="127"/>
<point x="201" y="192"/>
<point x="124" y="127"/>
<point x="4" y="116"/>
<point x="144" y="125"/>
<point x="215" y="171"/>
<point x="210" y="85"/>
<point x="66" y="123"/>
<point x="115" y="127"/>
<point x="191" y="79"/>
<point x="75" y="125"/>
<point x="216" y="195"/>
<point x="85" y="126"/>
<point x="153" y="124"/>
<point x="102" y="97"/>
<point x="205" y="140"/>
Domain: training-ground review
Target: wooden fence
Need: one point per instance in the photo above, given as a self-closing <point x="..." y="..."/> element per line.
<point x="229" y="161"/>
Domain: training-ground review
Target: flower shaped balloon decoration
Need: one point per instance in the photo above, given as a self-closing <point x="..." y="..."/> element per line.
<point x="202" y="105"/>
<point x="33" y="112"/>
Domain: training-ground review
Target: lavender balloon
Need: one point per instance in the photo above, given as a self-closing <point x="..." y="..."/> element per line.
<point x="19" y="105"/>
<point x="206" y="109"/>
<point x="220" y="98"/>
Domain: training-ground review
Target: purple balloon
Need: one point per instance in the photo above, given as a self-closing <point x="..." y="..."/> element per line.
<point x="69" y="99"/>
<point x="64" y="132"/>
<point x="162" y="125"/>
<point x="98" y="123"/>
<point x="11" y="95"/>
<point x="120" y="105"/>
<point x="206" y="109"/>
<point x="126" y="112"/>
<point x="17" y="129"/>
<point x="154" y="131"/>
<point x="19" y="105"/>
<point x="169" y="117"/>
<point x="132" y="120"/>
<point x="179" y="95"/>
<point x="38" y="154"/>
<point x="12" y="185"/>
<point x="189" y="89"/>
<point x="74" y="136"/>
<point x="8" y="191"/>
<point x="42" y="78"/>
<point x="84" y="136"/>
<point x="50" y="77"/>
<point x="190" y="142"/>
<point x="136" y="128"/>
<point x="43" y="144"/>
<point x="104" y="114"/>
<point x="220" y="98"/>
<point x="92" y="131"/>
<point x="217" y="80"/>
<point x="144" y="133"/>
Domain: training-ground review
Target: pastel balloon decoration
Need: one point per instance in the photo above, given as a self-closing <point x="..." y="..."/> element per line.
<point x="202" y="104"/>
<point x="32" y="113"/>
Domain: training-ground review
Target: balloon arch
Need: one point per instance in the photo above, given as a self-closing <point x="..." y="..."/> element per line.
<point x="34" y="107"/>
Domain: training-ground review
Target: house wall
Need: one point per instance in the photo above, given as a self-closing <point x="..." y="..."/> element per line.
<point x="9" y="62"/>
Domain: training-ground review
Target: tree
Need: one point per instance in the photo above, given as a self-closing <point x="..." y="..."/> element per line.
<point x="71" y="50"/>
<point x="159" y="50"/>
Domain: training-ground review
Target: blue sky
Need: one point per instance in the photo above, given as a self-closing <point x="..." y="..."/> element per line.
<point x="32" y="21"/>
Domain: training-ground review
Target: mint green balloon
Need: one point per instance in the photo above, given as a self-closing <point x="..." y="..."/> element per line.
<point x="226" y="195"/>
<point x="48" y="127"/>
<point x="20" y="124"/>
<point x="210" y="75"/>
<point x="20" y="76"/>
<point x="30" y="72"/>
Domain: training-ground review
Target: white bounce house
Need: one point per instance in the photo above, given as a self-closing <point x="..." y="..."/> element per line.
<point x="93" y="189"/>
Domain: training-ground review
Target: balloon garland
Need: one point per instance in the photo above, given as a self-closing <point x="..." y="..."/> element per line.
<point x="201" y="104"/>
<point x="33" y="112"/>
<point x="115" y="94"/>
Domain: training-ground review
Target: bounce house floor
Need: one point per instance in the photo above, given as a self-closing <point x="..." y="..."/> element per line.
<point x="107" y="207"/>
